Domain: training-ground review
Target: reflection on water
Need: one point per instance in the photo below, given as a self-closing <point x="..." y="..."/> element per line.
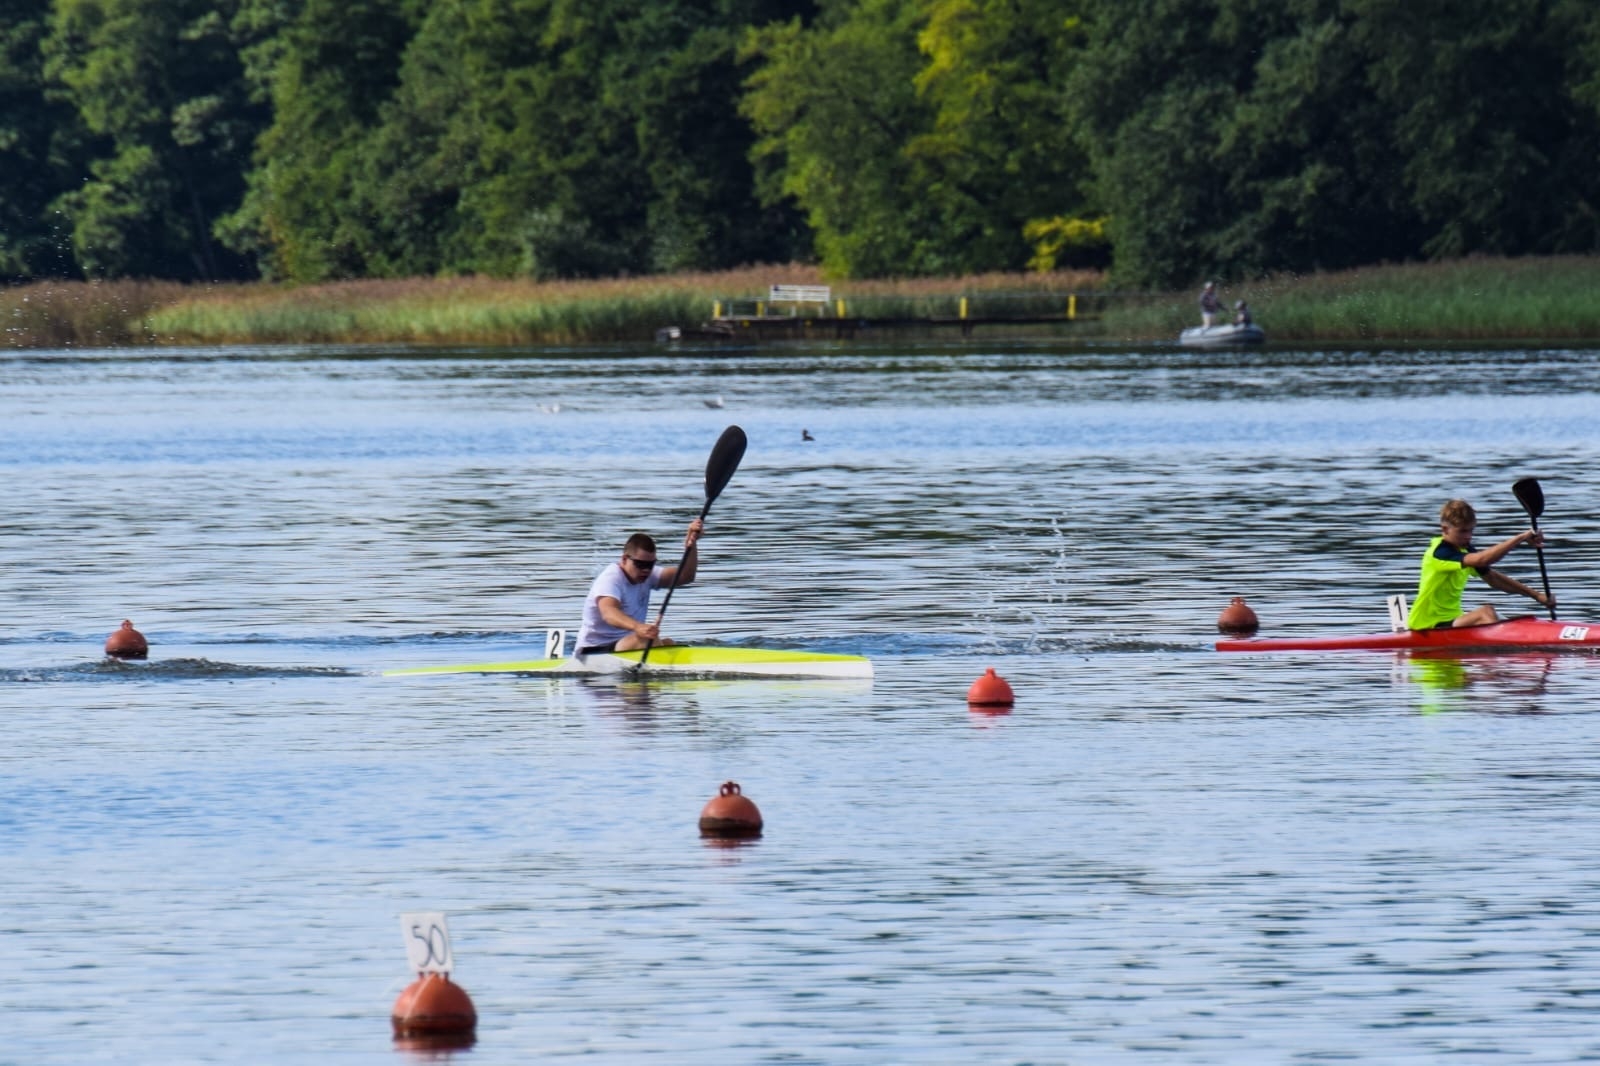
<point x="1502" y="683"/>
<point x="1159" y="853"/>
<point x="434" y="1047"/>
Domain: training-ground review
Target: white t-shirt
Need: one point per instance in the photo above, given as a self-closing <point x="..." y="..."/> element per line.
<point x="635" y="601"/>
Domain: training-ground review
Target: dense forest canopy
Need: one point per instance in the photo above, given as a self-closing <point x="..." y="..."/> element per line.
<point x="316" y="139"/>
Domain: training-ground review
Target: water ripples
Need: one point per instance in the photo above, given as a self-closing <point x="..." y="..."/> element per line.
<point x="1159" y="854"/>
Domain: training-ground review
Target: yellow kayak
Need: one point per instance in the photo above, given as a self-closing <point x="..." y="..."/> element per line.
<point x="677" y="660"/>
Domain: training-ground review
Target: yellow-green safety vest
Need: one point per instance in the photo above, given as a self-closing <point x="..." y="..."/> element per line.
<point x="1444" y="577"/>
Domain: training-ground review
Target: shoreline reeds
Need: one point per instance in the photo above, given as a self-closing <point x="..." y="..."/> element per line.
<point x="1531" y="299"/>
<point x="1475" y="299"/>
<point x="84" y="314"/>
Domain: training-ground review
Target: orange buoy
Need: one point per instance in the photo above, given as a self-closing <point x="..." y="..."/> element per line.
<point x="990" y="690"/>
<point x="1237" y="617"/>
<point x="127" y="643"/>
<point x="730" y="813"/>
<point x="433" y="1005"/>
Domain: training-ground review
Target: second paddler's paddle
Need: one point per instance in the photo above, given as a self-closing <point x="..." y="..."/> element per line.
<point x="725" y="456"/>
<point x="1531" y="496"/>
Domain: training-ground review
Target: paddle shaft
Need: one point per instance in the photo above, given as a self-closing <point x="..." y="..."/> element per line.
<point x="673" y="587"/>
<point x="1543" y="574"/>
<point x="725" y="456"/>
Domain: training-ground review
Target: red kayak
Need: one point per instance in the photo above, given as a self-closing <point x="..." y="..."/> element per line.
<point x="1513" y="634"/>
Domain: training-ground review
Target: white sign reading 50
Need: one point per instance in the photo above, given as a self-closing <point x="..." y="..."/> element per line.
<point x="427" y="942"/>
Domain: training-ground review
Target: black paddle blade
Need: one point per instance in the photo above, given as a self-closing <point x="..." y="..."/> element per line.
<point x="1531" y="496"/>
<point x="725" y="456"/>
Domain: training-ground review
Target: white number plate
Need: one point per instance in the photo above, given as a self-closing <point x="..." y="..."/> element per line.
<point x="1574" y="632"/>
<point x="427" y="942"/>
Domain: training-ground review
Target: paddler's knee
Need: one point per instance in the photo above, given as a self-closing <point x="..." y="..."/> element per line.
<point x="1478" y="616"/>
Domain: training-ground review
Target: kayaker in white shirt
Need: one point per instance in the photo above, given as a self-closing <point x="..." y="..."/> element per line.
<point x="617" y="610"/>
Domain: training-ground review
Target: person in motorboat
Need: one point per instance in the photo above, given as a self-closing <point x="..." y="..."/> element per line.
<point x="617" y="610"/>
<point x="1210" y="305"/>
<point x="1450" y="561"/>
<point x="1241" y="314"/>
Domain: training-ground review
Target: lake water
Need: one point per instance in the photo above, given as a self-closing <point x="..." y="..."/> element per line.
<point x="1161" y="854"/>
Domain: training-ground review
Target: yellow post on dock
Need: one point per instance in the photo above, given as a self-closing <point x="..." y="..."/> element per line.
<point x="1072" y="306"/>
<point x="963" y="307"/>
<point x="716" y="309"/>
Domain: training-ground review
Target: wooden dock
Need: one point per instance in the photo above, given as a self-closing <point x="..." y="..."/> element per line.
<point x="757" y="327"/>
<point x="830" y="319"/>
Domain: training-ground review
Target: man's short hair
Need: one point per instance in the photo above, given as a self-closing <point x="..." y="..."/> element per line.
<point x="640" y="542"/>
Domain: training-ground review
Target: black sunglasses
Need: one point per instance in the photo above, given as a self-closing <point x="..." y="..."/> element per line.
<point x="641" y="564"/>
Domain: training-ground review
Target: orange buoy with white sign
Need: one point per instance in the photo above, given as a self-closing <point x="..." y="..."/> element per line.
<point x="730" y="813"/>
<point x="127" y="643"/>
<point x="1237" y="617"/>
<point x="433" y="1004"/>
<point x="990" y="691"/>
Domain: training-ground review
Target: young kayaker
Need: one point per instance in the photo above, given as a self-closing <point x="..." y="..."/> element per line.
<point x="1450" y="561"/>
<point x="615" y="615"/>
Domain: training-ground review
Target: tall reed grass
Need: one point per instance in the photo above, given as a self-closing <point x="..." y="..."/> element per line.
<point x="1471" y="299"/>
<point x="79" y="314"/>
<point x="1477" y="299"/>
<point x="486" y="311"/>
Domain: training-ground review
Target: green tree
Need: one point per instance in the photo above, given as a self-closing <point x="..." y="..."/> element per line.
<point x="1580" y="21"/>
<point x="835" y="106"/>
<point x="158" y="85"/>
<point x="924" y="136"/>
<point x="1004" y="149"/>
<point x="542" y="137"/>
<point x="1301" y="151"/>
<point x="549" y="183"/>
<point x="695" y="146"/>
<point x="1244" y="136"/>
<point x="1236" y="137"/>
<point x="332" y="68"/>
<point x="1149" y="87"/>
<point x="610" y="141"/>
<point x="38" y="137"/>
<point x="1488" y="114"/>
<point x="420" y="154"/>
